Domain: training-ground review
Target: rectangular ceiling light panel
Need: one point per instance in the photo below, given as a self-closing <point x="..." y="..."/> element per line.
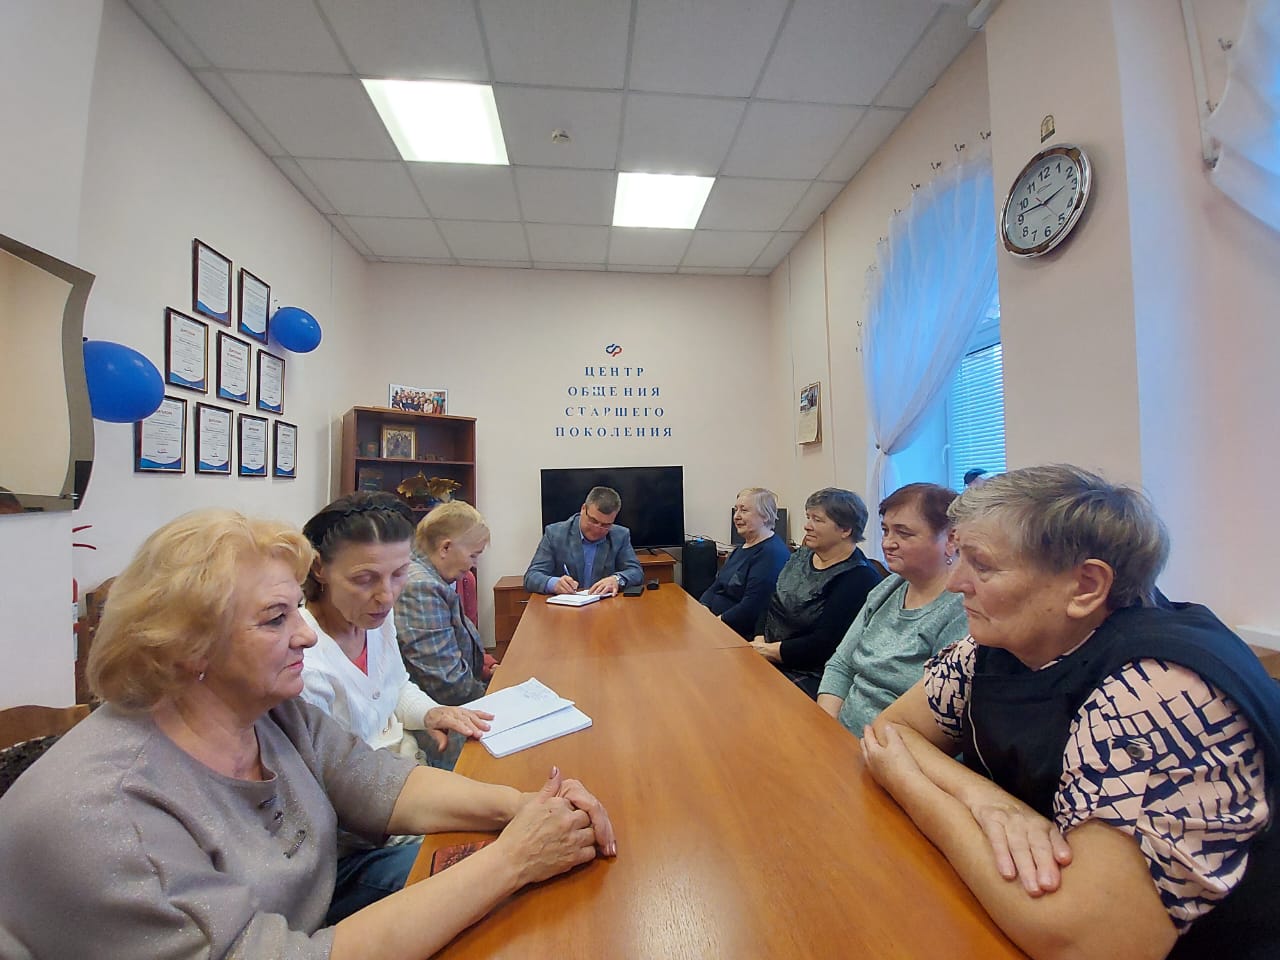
<point x="660" y="200"/>
<point x="438" y="121"/>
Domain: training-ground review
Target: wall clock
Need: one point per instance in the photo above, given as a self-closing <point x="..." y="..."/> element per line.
<point x="1046" y="200"/>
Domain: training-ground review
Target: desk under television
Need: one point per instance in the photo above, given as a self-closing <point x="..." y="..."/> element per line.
<point x="747" y="826"/>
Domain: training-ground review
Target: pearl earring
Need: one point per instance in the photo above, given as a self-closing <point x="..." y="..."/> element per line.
<point x="200" y="676"/>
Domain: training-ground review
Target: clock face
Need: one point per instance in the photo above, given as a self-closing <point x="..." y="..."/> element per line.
<point x="1046" y="201"/>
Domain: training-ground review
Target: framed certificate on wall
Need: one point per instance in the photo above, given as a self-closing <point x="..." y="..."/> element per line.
<point x="270" y="382"/>
<point x="210" y="283"/>
<point x="284" y="463"/>
<point x="233" y="368"/>
<point x="160" y="441"/>
<point x="186" y="351"/>
<point x="255" y="302"/>
<point x="213" y="439"/>
<point x="251" y="444"/>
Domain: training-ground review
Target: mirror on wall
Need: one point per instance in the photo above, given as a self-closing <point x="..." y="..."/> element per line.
<point x="46" y="429"/>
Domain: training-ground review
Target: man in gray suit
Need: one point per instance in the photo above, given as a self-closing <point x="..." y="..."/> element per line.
<point x="589" y="548"/>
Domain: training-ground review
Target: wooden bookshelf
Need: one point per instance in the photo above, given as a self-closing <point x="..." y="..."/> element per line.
<point x="444" y="446"/>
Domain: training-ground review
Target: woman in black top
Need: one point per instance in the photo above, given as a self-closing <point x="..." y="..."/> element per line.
<point x="820" y="590"/>
<point x="744" y="584"/>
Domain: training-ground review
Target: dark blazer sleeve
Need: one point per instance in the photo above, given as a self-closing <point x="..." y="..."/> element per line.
<point x="845" y="596"/>
<point x="762" y="577"/>
<point x="544" y="564"/>
<point x="624" y="559"/>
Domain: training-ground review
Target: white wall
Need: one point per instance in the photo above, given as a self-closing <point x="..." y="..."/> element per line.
<point x="47" y="54"/>
<point x="165" y="164"/>
<point x="509" y="344"/>
<point x="818" y="294"/>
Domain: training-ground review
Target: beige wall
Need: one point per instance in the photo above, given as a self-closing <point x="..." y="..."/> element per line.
<point x="509" y="345"/>
<point x="1144" y="346"/>
<point x="818" y="294"/>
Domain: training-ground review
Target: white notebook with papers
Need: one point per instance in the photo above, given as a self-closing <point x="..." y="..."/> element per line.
<point x="579" y="599"/>
<point x="568" y="720"/>
<point x="526" y="715"/>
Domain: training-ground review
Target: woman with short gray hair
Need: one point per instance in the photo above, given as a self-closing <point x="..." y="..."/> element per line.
<point x="819" y="591"/>
<point x="742" y="587"/>
<point x="1118" y="751"/>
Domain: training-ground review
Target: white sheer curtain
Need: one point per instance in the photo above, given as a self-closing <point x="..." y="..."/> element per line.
<point x="934" y="278"/>
<point x="1246" y="123"/>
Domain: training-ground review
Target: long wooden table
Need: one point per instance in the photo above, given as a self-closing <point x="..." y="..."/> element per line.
<point x="747" y="826"/>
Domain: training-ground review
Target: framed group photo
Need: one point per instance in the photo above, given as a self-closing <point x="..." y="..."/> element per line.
<point x="417" y="399"/>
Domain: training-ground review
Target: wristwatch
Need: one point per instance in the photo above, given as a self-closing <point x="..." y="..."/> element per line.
<point x="622" y="581"/>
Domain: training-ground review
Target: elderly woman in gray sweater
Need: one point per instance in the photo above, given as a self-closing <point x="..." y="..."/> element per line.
<point x="907" y="618"/>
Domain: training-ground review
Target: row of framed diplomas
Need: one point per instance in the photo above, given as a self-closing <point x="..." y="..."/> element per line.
<point x="186" y="364"/>
<point x="262" y="447"/>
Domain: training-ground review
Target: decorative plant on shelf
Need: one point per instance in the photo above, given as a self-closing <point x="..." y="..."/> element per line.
<point x="422" y="491"/>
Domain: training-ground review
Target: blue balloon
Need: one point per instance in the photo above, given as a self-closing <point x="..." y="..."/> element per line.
<point x="295" y="329"/>
<point x="124" y="386"/>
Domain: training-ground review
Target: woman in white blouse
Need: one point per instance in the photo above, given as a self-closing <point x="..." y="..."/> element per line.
<point x="355" y="672"/>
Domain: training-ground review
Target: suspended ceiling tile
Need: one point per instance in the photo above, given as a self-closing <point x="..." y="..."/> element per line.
<point x="842" y="52"/>
<point x="389" y="237"/>
<point x="746" y="204"/>
<point x="692" y="46"/>
<point x="872" y="130"/>
<point x="716" y="271"/>
<point x="287" y="36"/>
<point x="366" y="188"/>
<point x="777" y="248"/>
<point x="942" y="42"/>
<point x="716" y="248"/>
<point x="667" y="134"/>
<point x="581" y="43"/>
<point x="566" y="196"/>
<point x="316" y="116"/>
<point x="561" y="243"/>
<point x="638" y="268"/>
<point x="644" y="246"/>
<point x="591" y="119"/>
<point x="465" y="191"/>
<point x="410" y="39"/>
<point x="788" y="141"/>
<point x="289" y="167"/>
<point x="816" y="199"/>
<point x="216" y="84"/>
<point x="485" y="241"/>
<point x="504" y="264"/>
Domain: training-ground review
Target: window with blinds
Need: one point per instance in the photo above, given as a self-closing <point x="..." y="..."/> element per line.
<point x="975" y="415"/>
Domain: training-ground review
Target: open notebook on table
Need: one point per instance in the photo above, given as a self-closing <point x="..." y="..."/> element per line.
<point x="579" y="599"/>
<point x="526" y="715"/>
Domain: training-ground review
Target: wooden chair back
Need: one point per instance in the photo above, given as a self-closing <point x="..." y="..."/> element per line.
<point x="26" y="723"/>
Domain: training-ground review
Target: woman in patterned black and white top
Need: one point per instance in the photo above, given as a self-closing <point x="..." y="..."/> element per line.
<point x="1117" y="754"/>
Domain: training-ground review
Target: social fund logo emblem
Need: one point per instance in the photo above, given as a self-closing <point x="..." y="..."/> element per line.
<point x="613" y="349"/>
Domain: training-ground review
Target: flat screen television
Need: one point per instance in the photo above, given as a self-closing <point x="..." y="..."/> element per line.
<point x="652" y="499"/>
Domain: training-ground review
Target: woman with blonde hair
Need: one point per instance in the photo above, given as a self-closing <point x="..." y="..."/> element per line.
<point x="441" y="647"/>
<point x="201" y="811"/>
<point x="743" y="586"/>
